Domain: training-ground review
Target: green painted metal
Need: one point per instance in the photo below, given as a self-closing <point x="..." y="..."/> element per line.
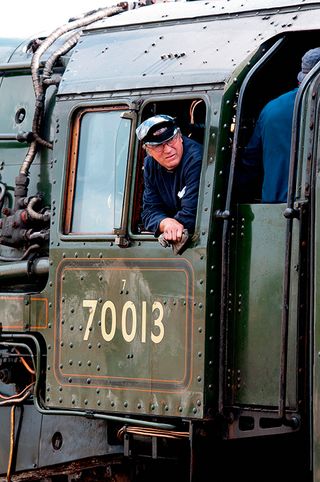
<point x="7" y="48"/>
<point x="132" y="333"/>
<point x="316" y="356"/>
<point x="149" y="303"/>
<point x="162" y="55"/>
<point x="258" y="270"/>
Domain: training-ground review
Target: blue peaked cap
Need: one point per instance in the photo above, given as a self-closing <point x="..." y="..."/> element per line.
<point x="157" y="129"/>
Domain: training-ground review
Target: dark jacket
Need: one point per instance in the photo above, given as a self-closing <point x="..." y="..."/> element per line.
<point x="268" y="151"/>
<point x="173" y="193"/>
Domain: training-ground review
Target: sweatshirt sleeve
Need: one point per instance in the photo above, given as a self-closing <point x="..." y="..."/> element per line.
<point x="189" y="195"/>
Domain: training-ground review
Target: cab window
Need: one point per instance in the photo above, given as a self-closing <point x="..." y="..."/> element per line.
<point x="97" y="171"/>
<point x="190" y="115"/>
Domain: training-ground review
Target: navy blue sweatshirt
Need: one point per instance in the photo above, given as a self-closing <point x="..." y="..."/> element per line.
<point x="172" y="194"/>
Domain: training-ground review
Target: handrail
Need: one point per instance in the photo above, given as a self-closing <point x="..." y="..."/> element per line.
<point x="225" y="216"/>
<point x="20" y="137"/>
<point x="290" y="213"/>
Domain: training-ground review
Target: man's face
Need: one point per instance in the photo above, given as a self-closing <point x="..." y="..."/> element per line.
<point x="168" y="154"/>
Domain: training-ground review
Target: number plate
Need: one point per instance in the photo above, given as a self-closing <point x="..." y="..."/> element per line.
<point x="124" y="323"/>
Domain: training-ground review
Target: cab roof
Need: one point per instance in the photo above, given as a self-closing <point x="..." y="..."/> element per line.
<point x="168" y="11"/>
<point x="7" y="48"/>
<point x="179" y="44"/>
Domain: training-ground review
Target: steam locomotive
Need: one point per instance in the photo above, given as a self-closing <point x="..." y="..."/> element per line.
<point x="120" y="360"/>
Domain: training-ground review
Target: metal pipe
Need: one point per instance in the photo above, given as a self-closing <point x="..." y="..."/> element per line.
<point x="29" y="158"/>
<point x="40" y="266"/>
<point x="48" y="411"/>
<point x="105" y="12"/>
<point x="8" y="137"/>
<point x="15" y="66"/>
<point x="37" y="84"/>
<point x="34" y="214"/>
<point x="20" y="137"/>
<point x="20" y="269"/>
<point x="68" y="45"/>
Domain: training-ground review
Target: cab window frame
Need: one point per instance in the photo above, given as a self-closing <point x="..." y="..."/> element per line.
<point x="156" y="103"/>
<point x="72" y="167"/>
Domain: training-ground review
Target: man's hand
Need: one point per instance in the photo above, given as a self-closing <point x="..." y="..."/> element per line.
<point x="171" y="229"/>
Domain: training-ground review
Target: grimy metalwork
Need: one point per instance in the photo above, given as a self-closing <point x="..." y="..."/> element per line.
<point x="119" y="360"/>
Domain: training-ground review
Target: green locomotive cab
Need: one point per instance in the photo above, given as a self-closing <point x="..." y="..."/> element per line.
<point x="181" y="362"/>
